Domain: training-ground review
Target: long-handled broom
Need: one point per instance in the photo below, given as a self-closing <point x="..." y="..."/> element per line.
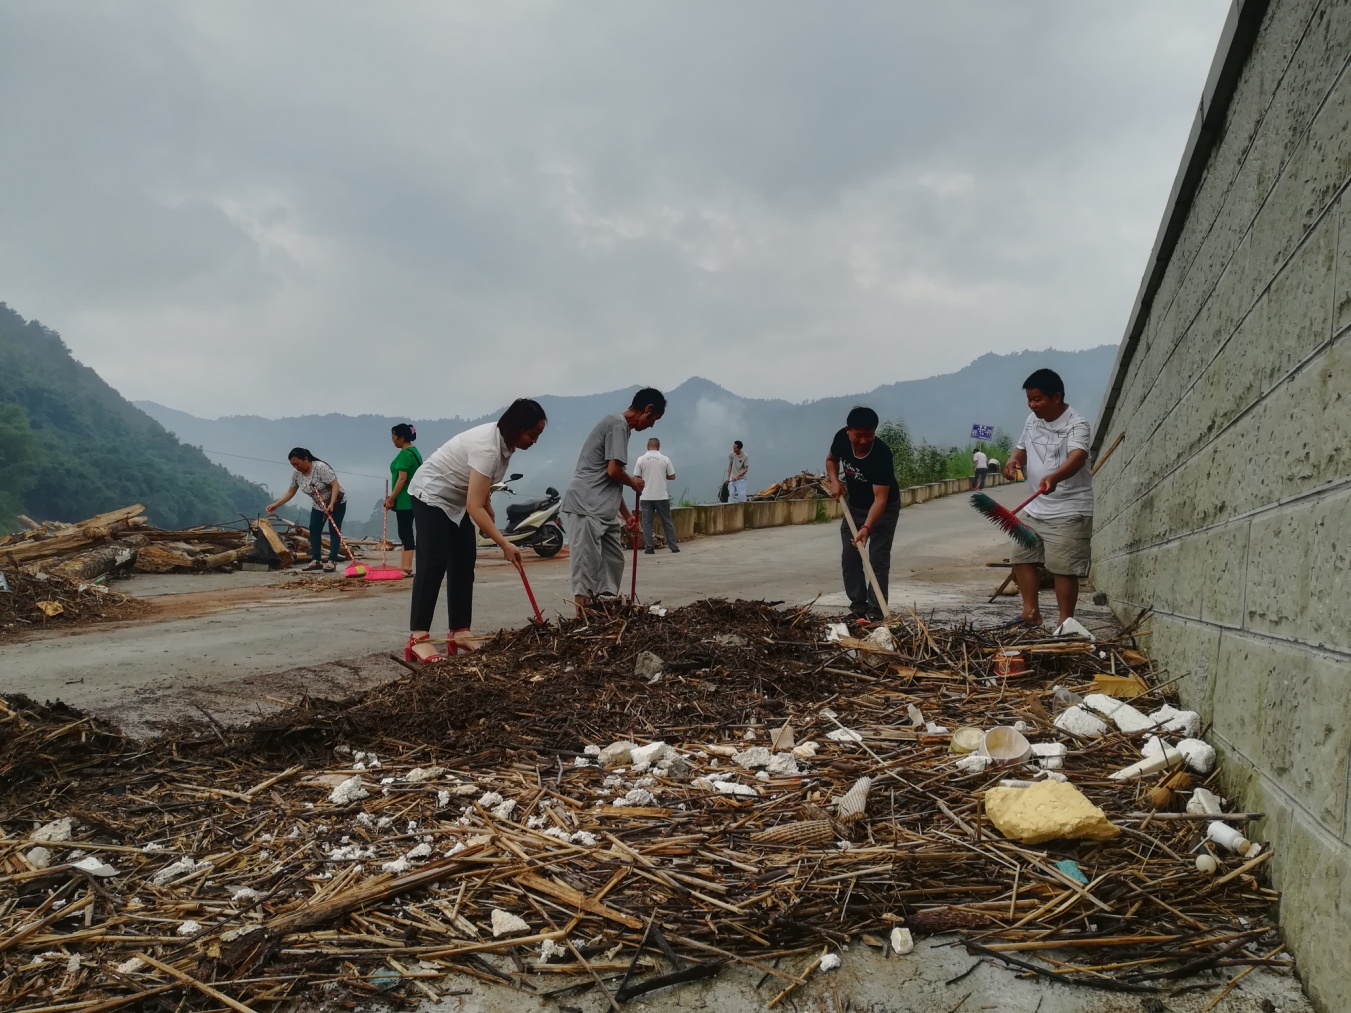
<point x="1006" y="519"/>
<point x="633" y="584"/>
<point x="384" y="571"/>
<point x="354" y="569"/>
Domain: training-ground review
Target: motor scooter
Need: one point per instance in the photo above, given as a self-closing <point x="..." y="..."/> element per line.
<point x="532" y="523"/>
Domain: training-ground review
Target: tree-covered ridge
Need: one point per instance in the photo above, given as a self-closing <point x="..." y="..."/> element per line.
<point x="72" y="447"/>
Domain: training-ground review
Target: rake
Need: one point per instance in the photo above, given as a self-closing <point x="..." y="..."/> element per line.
<point x="1006" y="519"/>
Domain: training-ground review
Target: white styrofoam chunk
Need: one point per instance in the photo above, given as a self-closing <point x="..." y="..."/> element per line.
<point x="1078" y="721"/>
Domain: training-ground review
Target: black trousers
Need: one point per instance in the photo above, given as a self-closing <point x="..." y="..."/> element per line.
<point x="861" y="598"/>
<point x="403" y="520"/>
<point x="444" y="549"/>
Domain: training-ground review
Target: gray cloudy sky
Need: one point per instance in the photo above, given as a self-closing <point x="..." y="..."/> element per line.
<point x="431" y="207"/>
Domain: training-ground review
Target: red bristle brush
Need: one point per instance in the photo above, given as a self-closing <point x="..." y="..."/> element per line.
<point x="1006" y="519"/>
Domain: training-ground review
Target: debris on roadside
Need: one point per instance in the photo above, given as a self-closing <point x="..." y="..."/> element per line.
<point x="553" y="811"/>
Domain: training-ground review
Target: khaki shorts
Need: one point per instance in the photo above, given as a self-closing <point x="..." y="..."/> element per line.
<point x="1065" y="547"/>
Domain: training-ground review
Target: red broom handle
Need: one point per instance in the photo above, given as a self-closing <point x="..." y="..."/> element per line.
<point x="633" y="584"/>
<point x="539" y="616"/>
<point x="1025" y="502"/>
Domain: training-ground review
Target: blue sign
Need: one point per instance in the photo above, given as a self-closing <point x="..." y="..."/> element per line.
<point x="979" y="432"/>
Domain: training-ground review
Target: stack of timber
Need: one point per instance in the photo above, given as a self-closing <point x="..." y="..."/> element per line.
<point x="123" y="541"/>
<point x="805" y="485"/>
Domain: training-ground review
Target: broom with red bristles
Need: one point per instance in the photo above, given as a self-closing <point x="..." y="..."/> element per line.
<point x="1006" y="520"/>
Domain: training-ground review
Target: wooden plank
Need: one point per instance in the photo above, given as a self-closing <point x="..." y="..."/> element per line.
<point x="579" y="900"/>
<point x="275" y="543"/>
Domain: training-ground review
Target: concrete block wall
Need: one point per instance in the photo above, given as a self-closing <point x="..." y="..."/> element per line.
<point x="1227" y="508"/>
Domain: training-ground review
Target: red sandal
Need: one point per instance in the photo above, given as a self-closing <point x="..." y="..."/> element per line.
<point x="411" y="656"/>
<point x="466" y="645"/>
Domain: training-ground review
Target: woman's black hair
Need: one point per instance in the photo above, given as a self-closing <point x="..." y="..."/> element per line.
<point x="523" y="415"/>
<point x="301" y="453"/>
<point x="405" y="431"/>
<point x="861" y="418"/>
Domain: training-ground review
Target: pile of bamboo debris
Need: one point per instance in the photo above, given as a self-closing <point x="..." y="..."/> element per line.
<point x="806" y="485"/>
<point x="550" y="806"/>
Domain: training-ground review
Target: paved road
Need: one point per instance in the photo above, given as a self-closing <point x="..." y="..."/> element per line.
<point x="239" y="637"/>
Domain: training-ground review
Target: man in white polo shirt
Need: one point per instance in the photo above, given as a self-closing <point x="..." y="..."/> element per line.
<point x="978" y="462"/>
<point x="1053" y="452"/>
<point x="655" y="469"/>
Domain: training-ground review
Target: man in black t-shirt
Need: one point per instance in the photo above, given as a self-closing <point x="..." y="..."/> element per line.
<point x="857" y="462"/>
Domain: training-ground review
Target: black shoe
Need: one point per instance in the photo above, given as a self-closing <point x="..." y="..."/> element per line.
<point x="648" y="552"/>
<point x="875" y="616"/>
<point x="674" y="549"/>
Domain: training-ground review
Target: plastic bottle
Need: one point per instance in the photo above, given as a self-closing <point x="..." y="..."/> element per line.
<point x="1064" y="699"/>
<point x="1227" y="837"/>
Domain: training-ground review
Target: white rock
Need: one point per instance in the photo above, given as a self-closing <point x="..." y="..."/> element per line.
<point x="784" y="764"/>
<point x="753" y="758"/>
<point x="733" y="788"/>
<point x="54" y="832"/>
<point x="901" y="941"/>
<point x="1078" y="721"/>
<point x="558" y="832"/>
<point x="749" y="735"/>
<point x="617" y="754"/>
<point x="581" y="761"/>
<point x="505" y="923"/>
<point x="442" y="800"/>
<point x="1120" y="713"/>
<point x="1198" y="756"/>
<point x="653" y="753"/>
<point x="806" y="750"/>
<point x="39" y="858"/>
<point x="489" y="799"/>
<point x="1169" y="719"/>
<point x="399" y="865"/>
<point x="592" y="750"/>
<point x="638" y="797"/>
<point x="585" y="838"/>
<point x="418" y="775"/>
<point x="1205" y="803"/>
<point x="423" y="850"/>
<point x="130" y="966"/>
<point x="830" y="961"/>
<point x="246" y="895"/>
<point x="94" y="867"/>
<point x="550" y="949"/>
<point x="503" y="809"/>
<point x="762" y="775"/>
<point x="844" y="735"/>
<point x="189" y="928"/>
<point x="349" y="791"/>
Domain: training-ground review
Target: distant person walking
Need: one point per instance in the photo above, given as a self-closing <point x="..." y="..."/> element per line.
<point x="655" y="469"/>
<point x="451" y="493"/>
<point x="860" y="463"/>
<point x="979" y="463"/>
<point x="737" y="466"/>
<point x="594" y="499"/>
<point x="319" y="481"/>
<point x="1054" y="451"/>
<point x="401" y="471"/>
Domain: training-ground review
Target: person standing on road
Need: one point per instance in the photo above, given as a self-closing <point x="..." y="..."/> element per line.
<point x="319" y="481"/>
<point x="594" y="499"/>
<point x="979" y="463"/>
<point x="401" y="472"/>
<point x="861" y="464"/>
<point x="737" y="466"/>
<point x="655" y="469"/>
<point x="451" y="493"/>
<point x="1054" y="452"/>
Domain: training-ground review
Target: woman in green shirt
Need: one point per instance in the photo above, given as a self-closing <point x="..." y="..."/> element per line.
<point x="401" y="471"/>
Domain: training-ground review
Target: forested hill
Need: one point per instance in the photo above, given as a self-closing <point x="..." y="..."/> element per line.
<point x="72" y="447"/>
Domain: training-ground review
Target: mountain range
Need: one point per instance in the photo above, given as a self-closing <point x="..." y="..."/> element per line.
<point x="702" y="420"/>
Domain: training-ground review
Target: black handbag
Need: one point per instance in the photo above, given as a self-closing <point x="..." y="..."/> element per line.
<point x="722" y="493"/>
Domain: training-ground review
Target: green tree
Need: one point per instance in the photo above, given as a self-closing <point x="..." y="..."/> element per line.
<point x="895" y="433"/>
<point x="19" y="450"/>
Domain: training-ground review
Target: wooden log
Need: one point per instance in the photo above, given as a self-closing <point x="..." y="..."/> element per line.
<point x="275" y="543"/>
<point x="224" y="536"/>
<point x="72" y="540"/>
<point x="218" y="559"/>
<point x="154" y="558"/>
<point x="93" y="563"/>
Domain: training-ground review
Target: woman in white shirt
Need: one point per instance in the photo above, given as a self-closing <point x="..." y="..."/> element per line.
<point x="451" y="496"/>
<point x="318" y="480"/>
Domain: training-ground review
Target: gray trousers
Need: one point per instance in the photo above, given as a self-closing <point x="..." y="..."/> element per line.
<point x="662" y="507"/>
<point x="595" y="555"/>
<point x="861" y="598"/>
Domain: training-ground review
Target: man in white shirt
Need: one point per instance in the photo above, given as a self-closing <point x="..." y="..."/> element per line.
<point x="655" y="469"/>
<point x="979" y="461"/>
<point x="1053" y="452"/>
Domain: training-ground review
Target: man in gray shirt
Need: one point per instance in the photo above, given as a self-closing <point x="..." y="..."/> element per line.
<point x="737" y="466"/>
<point x="594" y="500"/>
